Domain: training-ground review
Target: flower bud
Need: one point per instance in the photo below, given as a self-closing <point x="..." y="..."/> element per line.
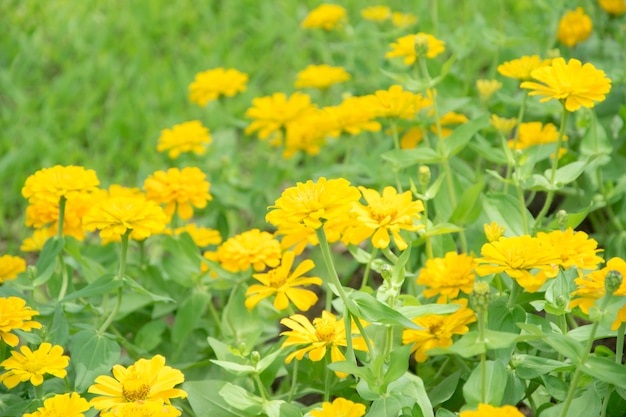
<point x="255" y="357"/>
<point x="423" y="175"/>
<point x="561" y="219"/>
<point x="612" y="281"/>
<point x="481" y="296"/>
<point x="421" y="45"/>
<point x="386" y="272"/>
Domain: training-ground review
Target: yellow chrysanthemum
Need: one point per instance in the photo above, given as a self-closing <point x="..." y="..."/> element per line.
<point x="517" y="256"/>
<point x="488" y="410"/>
<point x="493" y="231"/>
<point x="502" y="124"/>
<point x="116" y="190"/>
<point x="397" y="103"/>
<point x="307" y="134"/>
<point x="184" y="137"/>
<point x="437" y="330"/>
<point x="486" y="88"/>
<point x="33" y="365"/>
<point x="325" y="333"/>
<point x="10" y="267"/>
<point x="62" y="405"/>
<point x="272" y="113"/>
<point x="37" y="240"/>
<point x="312" y="203"/>
<point x="406" y="47"/>
<point x="376" y="13"/>
<point x="448" y="276"/>
<point x="147" y="380"/>
<point x="614" y="7"/>
<point x="296" y="236"/>
<point x="352" y="116"/>
<point x="413" y="136"/>
<point x="575" y="248"/>
<point x="536" y="133"/>
<point x="282" y="283"/>
<point x="384" y="214"/>
<point x="42" y="214"/>
<point x="574" y="27"/>
<point x="573" y="83"/>
<point x="591" y="287"/>
<point x="50" y="184"/>
<point x="15" y="315"/>
<point x="211" y="84"/>
<point x="142" y="409"/>
<point x="114" y="216"/>
<point x="340" y="407"/>
<point x="202" y="236"/>
<point x="321" y="76"/>
<point x="325" y="16"/>
<point x="521" y="68"/>
<point x="179" y="190"/>
<point x="400" y="20"/>
<point x="251" y="248"/>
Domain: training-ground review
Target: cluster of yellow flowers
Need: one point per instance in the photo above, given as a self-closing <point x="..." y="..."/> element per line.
<point x="332" y="16"/>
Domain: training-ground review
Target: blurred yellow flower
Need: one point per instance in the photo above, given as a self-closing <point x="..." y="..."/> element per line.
<point x="142" y="409"/>
<point x="522" y="67"/>
<point x="15" y="315"/>
<point x="33" y="365"/>
<point x="312" y="203"/>
<point x="352" y="116"/>
<point x="251" y="248"/>
<point x="401" y="20"/>
<point x="282" y="283"/>
<point x="614" y="7"/>
<point x="325" y="16"/>
<point x="384" y="215"/>
<point x="493" y="231"/>
<point x="488" y="410"/>
<point x="272" y="113"/>
<point x="340" y="407"/>
<point x="147" y="380"/>
<point x="114" y="216"/>
<point x="179" y="190"/>
<point x="486" y="88"/>
<point x="591" y="287"/>
<point x="10" y="267"/>
<point x="201" y="236"/>
<point x="62" y="405"/>
<point x="395" y="102"/>
<point x="42" y="214"/>
<point x="321" y="76"/>
<point x="376" y="13"/>
<point x="502" y="124"/>
<point x="448" y="276"/>
<point x="575" y="248"/>
<point x="211" y="84"/>
<point x="185" y="137"/>
<point x="37" y="240"/>
<point x="406" y="47"/>
<point x="413" y="136"/>
<point x="296" y="236"/>
<point x="50" y="184"/>
<point x="307" y="134"/>
<point x="517" y="256"/>
<point x="574" y="27"/>
<point x="437" y="330"/>
<point x="573" y="83"/>
<point x="535" y="133"/>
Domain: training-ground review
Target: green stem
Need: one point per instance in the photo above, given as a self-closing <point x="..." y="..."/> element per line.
<point x="259" y="383"/>
<point x="327" y="376"/>
<point x="215" y="317"/>
<point x="120" y="276"/>
<point x="619" y="346"/>
<point x="555" y="163"/>
<point x="390" y="255"/>
<point x="515" y="291"/>
<point x="368" y="268"/>
<point x="427" y="239"/>
<point x="396" y="145"/>
<point x="294" y="382"/>
<point x="64" y="278"/>
<point x="62" y="202"/>
<point x="483" y="356"/>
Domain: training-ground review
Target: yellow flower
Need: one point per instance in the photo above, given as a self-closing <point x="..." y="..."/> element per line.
<point x="307" y="134"/>
<point x="614" y="7"/>
<point x="448" y="276"/>
<point x="116" y="190"/>
<point x="535" y="133"/>
<point x="179" y="190"/>
<point x="591" y="287"/>
<point x="10" y="267"/>
<point x="384" y="214"/>
<point x="312" y="203"/>
<point x="37" y="240"/>
<point x="486" y="88"/>
<point x="401" y="20"/>
<point x="493" y="231"/>
<point x="574" y="248"/>
<point x="282" y="283"/>
<point x="29" y="365"/>
<point x="325" y="333"/>
<point x="414" y="135"/>
<point x="522" y="67"/>
<point x="573" y="83"/>
<point x="619" y="319"/>
<point x="437" y="330"/>
<point x="502" y="124"/>
<point x="14" y="315"/>
<point x="297" y="236"/>
<point x="62" y="405"/>
<point x="516" y="256"/>
<point x="488" y="410"/>
<point x="201" y="236"/>
<point x="185" y="137"/>
<point x="340" y="407"/>
<point x="574" y="27"/>
<point x="252" y="247"/>
<point x="211" y="84"/>
<point x="395" y="102"/>
<point x="114" y="216"/>
<point x="142" y="409"/>
<point x="273" y="113"/>
<point x="406" y="47"/>
<point x="321" y="76"/>
<point x="325" y="16"/>
<point x="352" y="116"/>
<point x="50" y="184"/>
<point x="376" y="13"/>
<point x="147" y="380"/>
<point x="42" y="213"/>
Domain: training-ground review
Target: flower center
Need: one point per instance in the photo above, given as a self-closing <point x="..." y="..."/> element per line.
<point x="135" y="388"/>
<point x="276" y="278"/>
<point x="435" y="326"/>
<point x="34" y="365"/>
<point x="383" y="211"/>
<point x="324" y="329"/>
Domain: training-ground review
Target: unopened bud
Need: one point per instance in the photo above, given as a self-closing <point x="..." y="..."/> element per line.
<point x="421" y="45"/>
<point x="561" y="218"/>
<point x="481" y="296"/>
<point x="255" y="357"/>
<point x="561" y="302"/>
<point x="31" y="272"/>
<point x="385" y="271"/>
<point x="423" y="175"/>
<point x="612" y="281"/>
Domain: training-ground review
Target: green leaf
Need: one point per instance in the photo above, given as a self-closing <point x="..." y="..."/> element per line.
<point x="92" y="355"/>
<point x="441" y="229"/>
<point x="59" y="330"/>
<point x="555" y="386"/>
<point x="404" y="158"/>
<point x="398" y="364"/>
<point x="595" y="141"/>
<point x="188" y="316"/>
<point x="46" y="264"/>
<point x="150" y="335"/>
<point x="568" y="173"/>
<point x="469" y="205"/>
<point x="530" y="366"/>
<point x="502" y="318"/>
<point x="235" y="368"/>
<point x="138" y="288"/>
<point x="221" y="399"/>
<point x="103" y="285"/>
<point x="605" y="370"/>
<point x="445" y="389"/>
<point x="418" y="311"/>
<point x="588" y="404"/>
<point x="495" y="384"/>
<point x="181" y="259"/>
<point x="505" y="210"/>
<point x="372" y="310"/>
<point x="442" y="412"/>
<point x="454" y="143"/>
